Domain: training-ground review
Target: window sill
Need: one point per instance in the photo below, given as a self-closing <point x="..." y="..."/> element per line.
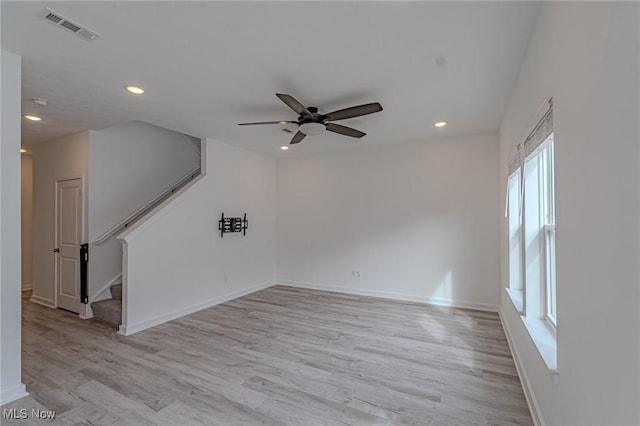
<point x="516" y="299"/>
<point x="545" y="341"/>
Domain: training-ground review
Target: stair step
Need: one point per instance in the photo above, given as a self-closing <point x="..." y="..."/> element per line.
<point x="108" y="310"/>
<point x="116" y="291"/>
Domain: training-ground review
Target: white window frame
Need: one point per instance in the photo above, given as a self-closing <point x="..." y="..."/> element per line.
<point x="514" y="206"/>
<point x="539" y="235"/>
<point x="537" y="300"/>
<point x="549" y="230"/>
<point x="550" y="275"/>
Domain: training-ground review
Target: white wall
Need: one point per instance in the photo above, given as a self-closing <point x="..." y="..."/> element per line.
<point x="585" y="56"/>
<point x="26" y="203"/>
<point x="129" y="165"/>
<point x="176" y="262"/>
<point x="63" y="158"/>
<point x="11" y="386"/>
<point x="419" y="221"/>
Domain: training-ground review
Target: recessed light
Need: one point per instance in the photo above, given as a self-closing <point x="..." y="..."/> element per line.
<point x="22" y="150"/>
<point x="40" y="101"/>
<point x="32" y="117"/>
<point x="440" y="123"/>
<point x="135" y="90"/>
<point x="283" y="122"/>
<point x="284" y="147"/>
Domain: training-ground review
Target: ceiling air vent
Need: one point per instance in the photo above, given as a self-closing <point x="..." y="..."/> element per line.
<point x="60" y="21"/>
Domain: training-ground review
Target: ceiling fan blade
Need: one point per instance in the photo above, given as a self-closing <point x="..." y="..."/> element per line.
<point x="344" y="130"/>
<point x="355" y="111"/>
<point x="297" y="138"/>
<point x="266" y="122"/>
<point x="293" y="104"/>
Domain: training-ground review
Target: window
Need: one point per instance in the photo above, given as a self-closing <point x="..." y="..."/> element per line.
<point x="539" y="224"/>
<point x="549" y="226"/>
<point x="532" y="237"/>
<point x="515" y="237"/>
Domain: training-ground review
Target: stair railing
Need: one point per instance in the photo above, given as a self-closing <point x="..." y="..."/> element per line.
<point x="123" y="224"/>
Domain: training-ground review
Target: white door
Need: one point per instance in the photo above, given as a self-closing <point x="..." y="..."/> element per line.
<point x="68" y="240"/>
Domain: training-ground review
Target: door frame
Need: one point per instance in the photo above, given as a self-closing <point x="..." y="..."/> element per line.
<point x="83" y="236"/>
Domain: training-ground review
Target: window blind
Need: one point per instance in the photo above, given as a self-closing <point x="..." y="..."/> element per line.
<point x="515" y="161"/>
<point x="540" y="133"/>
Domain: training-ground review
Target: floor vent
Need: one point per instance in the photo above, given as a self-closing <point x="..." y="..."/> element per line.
<point x="60" y="21"/>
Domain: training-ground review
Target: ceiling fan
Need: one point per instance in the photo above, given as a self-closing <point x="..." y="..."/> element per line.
<point x="311" y="123"/>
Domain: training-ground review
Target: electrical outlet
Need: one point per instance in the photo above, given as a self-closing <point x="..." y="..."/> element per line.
<point x="353" y="272"/>
<point x="358" y="273"/>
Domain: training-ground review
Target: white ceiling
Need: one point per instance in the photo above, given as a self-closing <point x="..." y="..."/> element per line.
<point x="209" y="65"/>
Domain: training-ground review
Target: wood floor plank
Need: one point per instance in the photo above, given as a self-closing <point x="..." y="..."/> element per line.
<point x="280" y="356"/>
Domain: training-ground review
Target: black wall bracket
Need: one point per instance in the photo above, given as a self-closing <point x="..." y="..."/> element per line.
<point x="233" y="224"/>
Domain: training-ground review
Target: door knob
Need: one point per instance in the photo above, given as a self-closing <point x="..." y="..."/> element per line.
<point x="56" y="250"/>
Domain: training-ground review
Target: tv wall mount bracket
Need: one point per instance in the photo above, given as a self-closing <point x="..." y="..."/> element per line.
<point x="233" y="224"/>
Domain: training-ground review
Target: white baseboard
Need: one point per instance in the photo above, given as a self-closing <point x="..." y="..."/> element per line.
<point x="395" y="296"/>
<point x="532" y="402"/>
<point x="129" y="329"/>
<point x="42" y="301"/>
<point x="27" y="287"/>
<point x="85" y="312"/>
<point x="12" y="394"/>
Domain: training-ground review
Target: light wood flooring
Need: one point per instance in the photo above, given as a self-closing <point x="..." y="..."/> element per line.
<point x="281" y="356"/>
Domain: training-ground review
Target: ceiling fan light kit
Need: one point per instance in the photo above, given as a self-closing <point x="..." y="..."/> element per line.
<point x="312" y="128"/>
<point x="311" y="123"/>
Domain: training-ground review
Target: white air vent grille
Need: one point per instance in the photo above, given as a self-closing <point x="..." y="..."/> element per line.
<point x="86" y="34"/>
<point x="60" y="21"/>
<point x="53" y="18"/>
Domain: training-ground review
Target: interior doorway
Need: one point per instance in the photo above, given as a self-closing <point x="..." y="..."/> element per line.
<point x="68" y="237"/>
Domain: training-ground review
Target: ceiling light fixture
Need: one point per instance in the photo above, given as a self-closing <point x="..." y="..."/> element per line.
<point x="440" y="123"/>
<point x="40" y="101"/>
<point x="284" y="147"/>
<point x="22" y="150"/>
<point x="32" y="117"/>
<point x="312" y="128"/>
<point x="135" y="90"/>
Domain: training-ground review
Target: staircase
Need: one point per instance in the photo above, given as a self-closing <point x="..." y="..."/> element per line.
<point x="110" y="310"/>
